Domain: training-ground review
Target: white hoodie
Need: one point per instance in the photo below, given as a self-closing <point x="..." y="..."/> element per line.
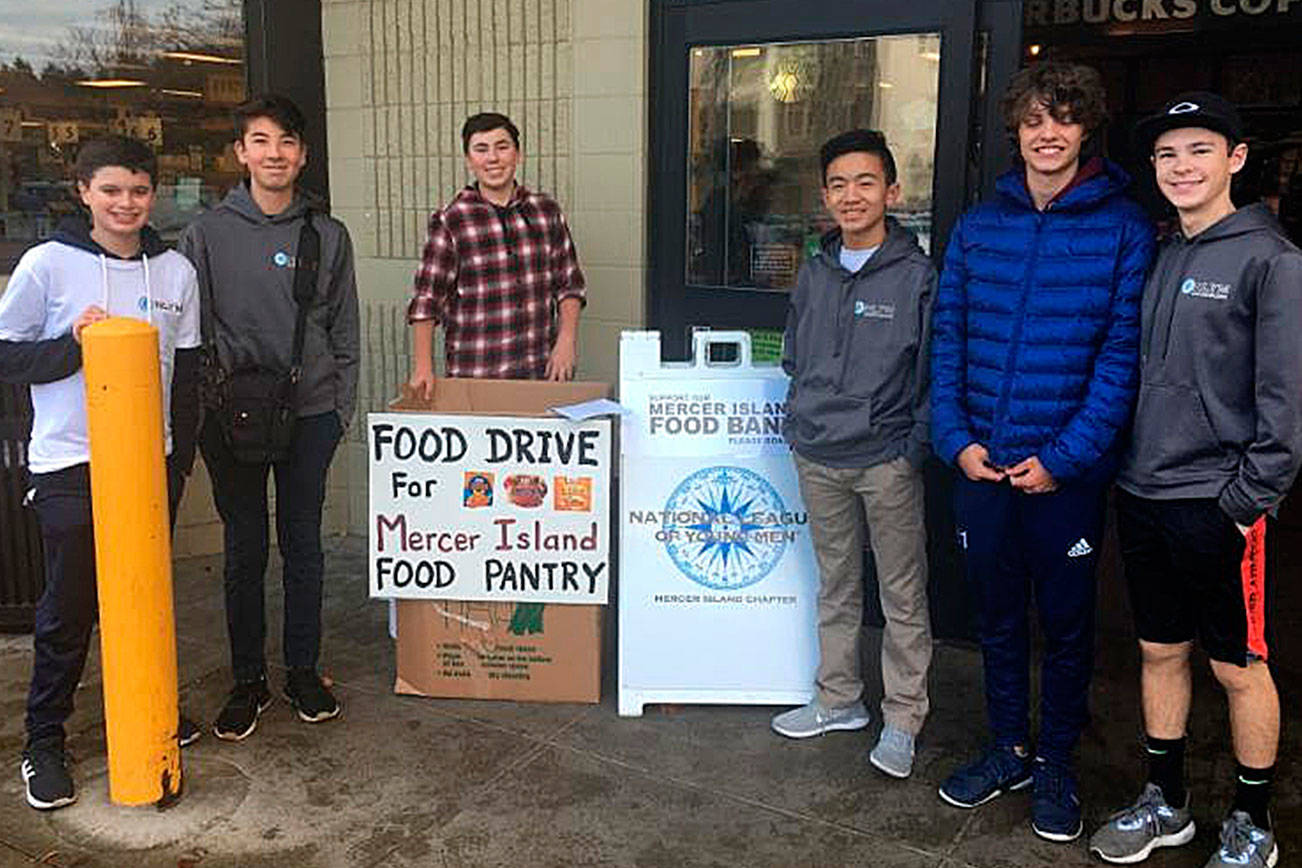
<point x="51" y="286"/>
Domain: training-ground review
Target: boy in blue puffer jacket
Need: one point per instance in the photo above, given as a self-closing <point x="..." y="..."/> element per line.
<point x="1034" y="370"/>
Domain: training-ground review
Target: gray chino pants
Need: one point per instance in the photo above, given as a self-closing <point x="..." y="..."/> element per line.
<point x="892" y="496"/>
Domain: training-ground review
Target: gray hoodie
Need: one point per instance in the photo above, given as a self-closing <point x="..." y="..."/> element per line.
<point x="245" y="264"/>
<point x="1220" y="392"/>
<point x="856" y="350"/>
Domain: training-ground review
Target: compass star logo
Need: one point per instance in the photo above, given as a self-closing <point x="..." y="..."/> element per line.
<point x="724" y="527"/>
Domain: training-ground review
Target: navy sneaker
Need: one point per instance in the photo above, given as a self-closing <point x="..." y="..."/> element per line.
<point x="45" y="775"/>
<point x="999" y="770"/>
<point x="1055" y="810"/>
<point x="187" y="731"/>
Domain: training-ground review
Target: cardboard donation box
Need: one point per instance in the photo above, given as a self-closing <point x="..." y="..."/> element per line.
<point x="490" y="525"/>
<point x="718" y="588"/>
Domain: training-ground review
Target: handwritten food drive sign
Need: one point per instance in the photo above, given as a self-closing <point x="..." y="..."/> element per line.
<point x="489" y="508"/>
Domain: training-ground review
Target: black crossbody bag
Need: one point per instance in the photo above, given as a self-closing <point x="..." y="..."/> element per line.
<point x="255" y="407"/>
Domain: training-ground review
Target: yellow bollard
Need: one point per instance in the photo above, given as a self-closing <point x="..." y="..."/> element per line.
<point x="133" y="557"/>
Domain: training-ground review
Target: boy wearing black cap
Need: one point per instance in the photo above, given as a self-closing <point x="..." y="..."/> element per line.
<point x="1216" y="445"/>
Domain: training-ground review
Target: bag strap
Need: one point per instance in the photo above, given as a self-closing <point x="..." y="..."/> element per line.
<point x="207" y="314"/>
<point x="307" y="260"/>
<point x="306" y="263"/>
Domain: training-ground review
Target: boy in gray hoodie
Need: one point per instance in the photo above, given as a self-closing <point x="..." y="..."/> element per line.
<point x="857" y="419"/>
<point x="246" y="252"/>
<point x="1216" y="446"/>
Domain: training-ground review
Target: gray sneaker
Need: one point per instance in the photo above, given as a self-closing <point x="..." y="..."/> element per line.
<point x="1243" y="845"/>
<point x="893" y="753"/>
<point x="814" y="719"/>
<point x="1130" y="835"/>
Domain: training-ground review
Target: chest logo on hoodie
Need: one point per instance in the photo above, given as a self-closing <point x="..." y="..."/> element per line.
<point x="1205" y="289"/>
<point x="282" y="259"/>
<point x="874" y="309"/>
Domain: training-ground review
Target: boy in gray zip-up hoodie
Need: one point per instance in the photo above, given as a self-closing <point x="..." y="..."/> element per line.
<point x="1216" y="446"/>
<point x="246" y="253"/>
<point x="856" y="351"/>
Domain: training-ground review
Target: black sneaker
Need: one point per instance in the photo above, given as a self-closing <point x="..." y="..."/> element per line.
<point x="187" y="731"/>
<point x="310" y="698"/>
<point x="239" y="717"/>
<point x="45" y="772"/>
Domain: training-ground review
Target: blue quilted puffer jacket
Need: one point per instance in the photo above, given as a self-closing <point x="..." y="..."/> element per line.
<point x="1035" y="330"/>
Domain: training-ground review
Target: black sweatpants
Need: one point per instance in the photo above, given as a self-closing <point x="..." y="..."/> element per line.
<point x="68" y="607"/>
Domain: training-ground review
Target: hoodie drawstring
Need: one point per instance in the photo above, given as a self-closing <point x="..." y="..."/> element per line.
<point x="149" y="289"/>
<point x="103" y="273"/>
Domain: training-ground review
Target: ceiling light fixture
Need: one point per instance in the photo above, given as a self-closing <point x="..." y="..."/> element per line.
<point x="111" y="82"/>
<point x="201" y="57"/>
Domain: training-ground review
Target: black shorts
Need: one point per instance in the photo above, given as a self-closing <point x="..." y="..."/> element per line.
<point x="1193" y="574"/>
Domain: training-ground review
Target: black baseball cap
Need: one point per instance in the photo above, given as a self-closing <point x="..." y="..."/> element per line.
<point x="1195" y="108"/>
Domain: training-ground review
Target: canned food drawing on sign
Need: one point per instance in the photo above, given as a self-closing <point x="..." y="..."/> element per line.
<point x="572" y="493"/>
<point x="526" y="490"/>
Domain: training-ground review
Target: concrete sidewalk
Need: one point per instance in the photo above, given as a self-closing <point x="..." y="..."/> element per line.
<point x="402" y="781"/>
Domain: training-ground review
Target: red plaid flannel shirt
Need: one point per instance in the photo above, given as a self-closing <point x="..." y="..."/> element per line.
<point x="494" y="277"/>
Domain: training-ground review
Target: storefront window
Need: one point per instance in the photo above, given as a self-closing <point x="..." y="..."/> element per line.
<point x="758" y="114"/>
<point x="165" y="71"/>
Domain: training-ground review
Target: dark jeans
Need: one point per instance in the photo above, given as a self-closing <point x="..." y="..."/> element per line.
<point x="1042" y="546"/>
<point x="240" y="492"/>
<point x="68" y="607"/>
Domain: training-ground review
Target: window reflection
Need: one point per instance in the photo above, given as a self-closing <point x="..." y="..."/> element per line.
<point x="757" y="116"/>
<point x="164" y="71"/>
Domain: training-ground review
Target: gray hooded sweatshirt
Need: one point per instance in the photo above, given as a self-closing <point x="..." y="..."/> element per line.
<point x="245" y="263"/>
<point x="856" y="350"/>
<point x="1220" y="392"/>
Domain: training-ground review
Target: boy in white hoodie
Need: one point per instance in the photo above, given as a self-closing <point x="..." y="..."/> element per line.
<point x="115" y="266"/>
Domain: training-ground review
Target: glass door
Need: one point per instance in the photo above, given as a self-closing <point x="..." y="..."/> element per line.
<point x="745" y="93"/>
<point x="757" y="115"/>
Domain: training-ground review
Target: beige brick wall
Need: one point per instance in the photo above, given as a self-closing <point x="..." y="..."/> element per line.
<point x="402" y="75"/>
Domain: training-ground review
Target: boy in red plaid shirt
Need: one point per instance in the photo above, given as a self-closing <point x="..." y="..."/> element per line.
<point x="499" y="272"/>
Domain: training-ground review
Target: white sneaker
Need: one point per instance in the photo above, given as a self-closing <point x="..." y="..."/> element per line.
<point x="813" y="719"/>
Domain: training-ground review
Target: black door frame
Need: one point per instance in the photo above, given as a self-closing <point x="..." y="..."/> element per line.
<point x="285" y="55"/>
<point x="977" y="60"/>
<point x="676" y="25"/>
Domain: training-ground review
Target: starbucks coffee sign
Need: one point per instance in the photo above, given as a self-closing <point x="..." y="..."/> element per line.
<point x="1157" y="15"/>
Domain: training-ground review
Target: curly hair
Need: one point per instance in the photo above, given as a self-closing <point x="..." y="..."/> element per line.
<point x="1070" y="91"/>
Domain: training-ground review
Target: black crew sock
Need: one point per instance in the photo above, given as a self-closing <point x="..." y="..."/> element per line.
<point x="1166" y="767"/>
<point x="1252" y="794"/>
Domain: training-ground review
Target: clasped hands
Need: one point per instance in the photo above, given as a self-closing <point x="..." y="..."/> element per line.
<point x="1028" y="475"/>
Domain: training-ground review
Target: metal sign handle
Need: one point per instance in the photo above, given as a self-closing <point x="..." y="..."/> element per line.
<point x="721" y="349"/>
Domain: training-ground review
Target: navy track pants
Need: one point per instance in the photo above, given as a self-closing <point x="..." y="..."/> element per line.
<point x="1020" y="548"/>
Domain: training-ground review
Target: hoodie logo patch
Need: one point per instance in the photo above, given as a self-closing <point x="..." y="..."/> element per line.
<point x="282" y="259"/>
<point x="1205" y="289"/>
<point x="874" y="309"/>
